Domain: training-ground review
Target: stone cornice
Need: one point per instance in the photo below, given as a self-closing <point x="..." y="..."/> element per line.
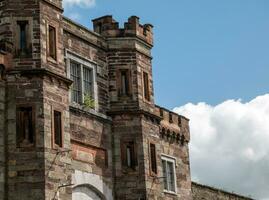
<point x="136" y="112"/>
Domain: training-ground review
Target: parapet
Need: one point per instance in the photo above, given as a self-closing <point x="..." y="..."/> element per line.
<point x="108" y="27"/>
<point x="173" y="124"/>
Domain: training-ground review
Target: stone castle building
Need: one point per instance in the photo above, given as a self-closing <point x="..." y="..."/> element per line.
<point x="77" y="113"/>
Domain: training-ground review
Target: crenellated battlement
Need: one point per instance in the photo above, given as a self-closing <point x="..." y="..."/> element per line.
<point x="109" y="27"/>
<point x="173" y="124"/>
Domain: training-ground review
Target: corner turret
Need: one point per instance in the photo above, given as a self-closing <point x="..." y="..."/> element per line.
<point x="109" y="27"/>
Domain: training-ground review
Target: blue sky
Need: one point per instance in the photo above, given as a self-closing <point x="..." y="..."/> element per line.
<point x="205" y="51"/>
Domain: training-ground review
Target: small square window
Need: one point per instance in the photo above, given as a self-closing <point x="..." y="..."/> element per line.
<point x="169" y="175"/>
<point x="25" y="126"/>
<point x="52" y="42"/>
<point x="57" y="128"/>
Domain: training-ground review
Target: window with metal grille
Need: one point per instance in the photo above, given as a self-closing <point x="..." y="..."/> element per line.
<point x="25" y="126"/>
<point x="75" y="75"/>
<point x="153" y="160"/>
<point x="87" y="81"/>
<point x="82" y="75"/>
<point x="169" y="176"/>
<point x="57" y="127"/>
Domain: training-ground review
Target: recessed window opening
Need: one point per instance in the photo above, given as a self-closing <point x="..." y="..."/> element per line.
<point x="22" y="36"/>
<point x="58" y="128"/>
<point x="52" y="42"/>
<point x="25" y="126"/>
<point x="168" y="166"/>
<point x="146" y="86"/>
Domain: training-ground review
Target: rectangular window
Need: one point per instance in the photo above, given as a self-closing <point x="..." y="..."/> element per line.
<point x="168" y="166"/>
<point x="87" y="81"/>
<point x="57" y="127"/>
<point x="146" y="86"/>
<point x="75" y="76"/>
<point x="153" y="160"/>
<point x="124" y="83"/>
<point x="25" y="126"/>
<point x="22" y="37"/>
<point x="129" y="155"/>
<point x="170" y="117"/>
<point x="82" y="73"/>
<point x="52" y="42"/>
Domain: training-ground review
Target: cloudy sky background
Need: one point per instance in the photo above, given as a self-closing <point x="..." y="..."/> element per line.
<point x="230" y="145"/>
<point x="215" y="54"/>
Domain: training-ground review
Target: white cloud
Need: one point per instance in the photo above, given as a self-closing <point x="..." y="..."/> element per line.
<point x="230" y="145"/>
<point x="81" y="3"/>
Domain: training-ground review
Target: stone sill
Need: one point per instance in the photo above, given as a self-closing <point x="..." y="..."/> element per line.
<point x="88" y="111"/>
<point x="170" y="192"/>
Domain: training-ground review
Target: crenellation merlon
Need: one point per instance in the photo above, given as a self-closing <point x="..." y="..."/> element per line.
<point x="108" y="27"/>
<point x="173" y="122"/>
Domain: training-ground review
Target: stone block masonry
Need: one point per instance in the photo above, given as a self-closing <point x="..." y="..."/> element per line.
<point x="78" y="118"/>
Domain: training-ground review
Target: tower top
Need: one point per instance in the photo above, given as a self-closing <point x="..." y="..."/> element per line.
<point x="109" y="27"/>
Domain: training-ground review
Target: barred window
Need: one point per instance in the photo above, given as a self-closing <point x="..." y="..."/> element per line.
<point x="82" y="73"/>
<point x="75" y="76"/>
<point x="169" y="175"/>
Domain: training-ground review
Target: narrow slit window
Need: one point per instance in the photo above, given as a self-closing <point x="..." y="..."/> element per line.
<point x="125" y="83"/>
<point x="52" y="42"/>
<point x="22" y="36"/>
<point x="25" y="126"/>
<point x="129" y="155"/>
<point x="146" y="86"/>
<point x="153" y="160"/>
<point x="58" y="128"/>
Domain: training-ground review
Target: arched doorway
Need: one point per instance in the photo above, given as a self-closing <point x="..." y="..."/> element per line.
<point x="86" y="192"/>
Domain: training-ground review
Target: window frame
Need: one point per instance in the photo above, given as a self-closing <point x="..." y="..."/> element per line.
<point x="54" y="57"/>
<point x="172" y="160"/>
<point x="18" y="128"/>
<point x="83" y="62"/>
<point x="54" y="145"/>
<point x="128" y="87"/>
<point x="124" y="158"/>
<point x="27" y="53"/>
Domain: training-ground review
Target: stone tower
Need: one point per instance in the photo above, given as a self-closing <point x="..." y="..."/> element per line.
<point x="36" y="142"/>
<point x="143" y="134"/>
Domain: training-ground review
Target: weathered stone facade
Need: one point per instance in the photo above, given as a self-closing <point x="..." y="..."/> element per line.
<point x="113" y="144"/>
